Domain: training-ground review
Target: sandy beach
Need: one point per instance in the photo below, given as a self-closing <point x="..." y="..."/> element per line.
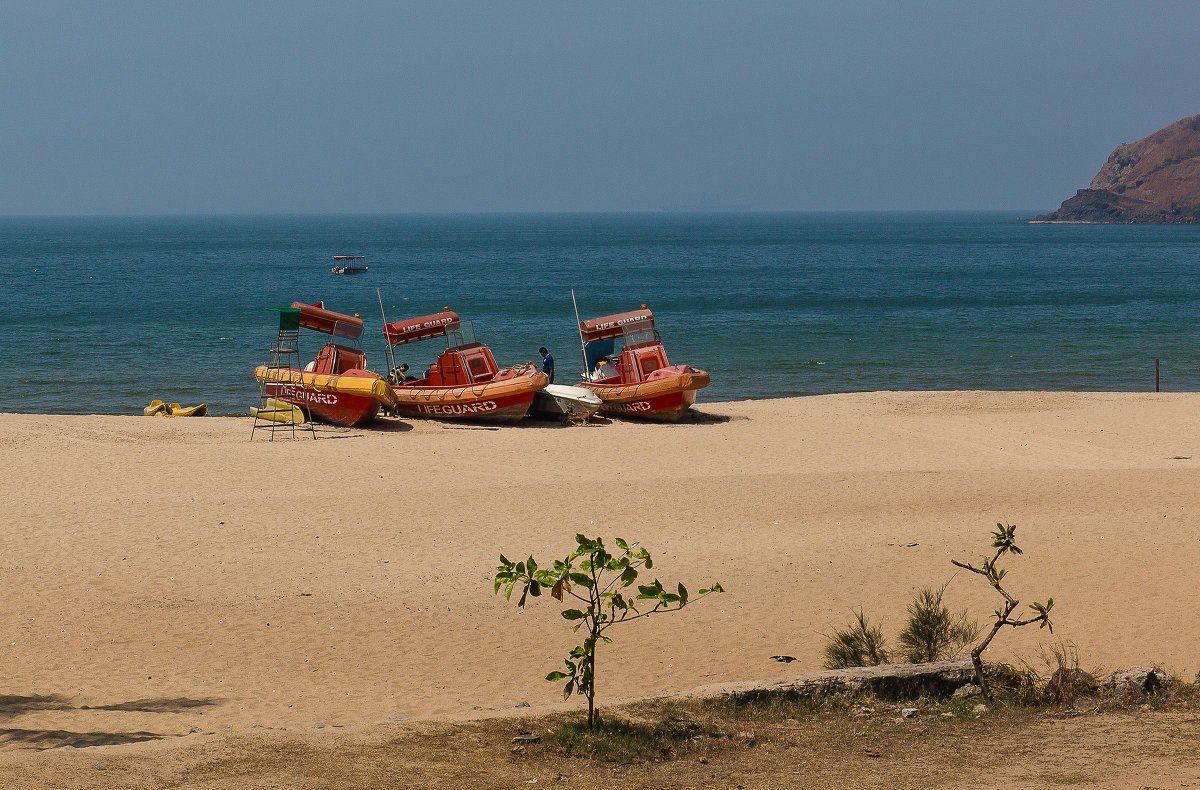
<point x="170" y="576"/>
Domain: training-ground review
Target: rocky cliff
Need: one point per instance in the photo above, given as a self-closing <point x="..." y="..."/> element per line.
<point x="1153" y="181"/>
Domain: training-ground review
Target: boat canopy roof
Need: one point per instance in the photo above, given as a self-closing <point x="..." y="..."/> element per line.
<point x="316" y="317"/>
<point x="349" y="257"/>
<point x="614" y="325"/>
<point x="421" y="328"/>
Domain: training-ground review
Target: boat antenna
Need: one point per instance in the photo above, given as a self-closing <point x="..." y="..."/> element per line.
<point x="582" y="342"/>
<point x="389" y="352"/>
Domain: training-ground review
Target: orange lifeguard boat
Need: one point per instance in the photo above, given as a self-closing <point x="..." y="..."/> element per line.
<point x="464" y="383"/>
<point x="335" y="387"/>
<point x="636" y="380"/>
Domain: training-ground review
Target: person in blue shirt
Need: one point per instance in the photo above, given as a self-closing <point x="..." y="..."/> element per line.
<point x="547" y="363"/>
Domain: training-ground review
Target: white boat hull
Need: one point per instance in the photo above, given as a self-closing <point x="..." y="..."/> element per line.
<point x="565" y="403"/>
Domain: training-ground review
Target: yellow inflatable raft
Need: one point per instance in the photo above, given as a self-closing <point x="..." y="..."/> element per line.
<point x="279" y="411"/>
<point x="159" y="409"/>
<point x="366" y="385"/>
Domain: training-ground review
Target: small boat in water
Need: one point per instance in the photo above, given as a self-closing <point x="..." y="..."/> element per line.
<point x="634" y="378"/>
<point x="565" y="403"/>
<point x="347" y="267"/>
<point x="335" y="387"/>
<point x="464" y="382"/>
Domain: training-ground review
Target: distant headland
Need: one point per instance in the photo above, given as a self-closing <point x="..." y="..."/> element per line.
<point x="1155" y="181"/>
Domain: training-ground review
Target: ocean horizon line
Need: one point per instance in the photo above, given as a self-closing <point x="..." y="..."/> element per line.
<point x="1018" y="215"/>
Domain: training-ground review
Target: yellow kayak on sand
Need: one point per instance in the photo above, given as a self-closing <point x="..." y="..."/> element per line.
<point x="277" y="410"/>
<point x="159" y="409"/>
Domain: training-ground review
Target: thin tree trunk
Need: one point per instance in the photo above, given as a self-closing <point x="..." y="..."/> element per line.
<point x="976" y="654"/>
<point x="979" y="677"/>
<point x="592" y="686"/>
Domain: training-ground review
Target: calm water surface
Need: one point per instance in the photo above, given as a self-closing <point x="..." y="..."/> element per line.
<point x="101" y="315"/>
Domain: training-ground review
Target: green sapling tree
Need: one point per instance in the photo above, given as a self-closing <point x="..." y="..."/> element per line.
<point x="1004" y="541"/>
<point x="599" y="581"/>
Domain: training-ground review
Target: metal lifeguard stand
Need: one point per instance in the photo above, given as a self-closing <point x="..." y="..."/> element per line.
<point x="284" y="355"/>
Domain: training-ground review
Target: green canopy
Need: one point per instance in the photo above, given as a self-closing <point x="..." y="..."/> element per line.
<point x="289" y="318"/>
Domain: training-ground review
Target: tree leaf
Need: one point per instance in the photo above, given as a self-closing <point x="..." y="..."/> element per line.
<point x="650" y="590"/>
<point x="556" y="676"/>
<point x="572" y="614"/>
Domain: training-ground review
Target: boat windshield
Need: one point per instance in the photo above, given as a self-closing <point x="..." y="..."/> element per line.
<point x="460" y="334"/>
<point x="641" y="332"/>
<point x="610" y="349"/>
<point x="343" y="330"/>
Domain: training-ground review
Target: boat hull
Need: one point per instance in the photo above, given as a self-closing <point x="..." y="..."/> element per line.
<point x="664" y="398"/>
<point x="504" y="401"/>
<point x="352" y="398"/>
<point x="337" y="408"/>
<point x="565" y="403"/>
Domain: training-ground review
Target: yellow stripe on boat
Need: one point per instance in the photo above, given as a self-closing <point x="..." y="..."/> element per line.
<point x="364" y="386"/>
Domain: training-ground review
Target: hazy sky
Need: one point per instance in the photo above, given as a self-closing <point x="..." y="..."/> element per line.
<point x="251" y="107"/>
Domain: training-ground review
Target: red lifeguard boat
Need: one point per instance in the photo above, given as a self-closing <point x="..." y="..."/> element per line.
<point x="464" y="382"/>
<point x="635" y="379"/>
<point x="335" y="387"/>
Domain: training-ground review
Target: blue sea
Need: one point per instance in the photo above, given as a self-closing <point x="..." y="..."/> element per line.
<point x="104" y="314"/>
